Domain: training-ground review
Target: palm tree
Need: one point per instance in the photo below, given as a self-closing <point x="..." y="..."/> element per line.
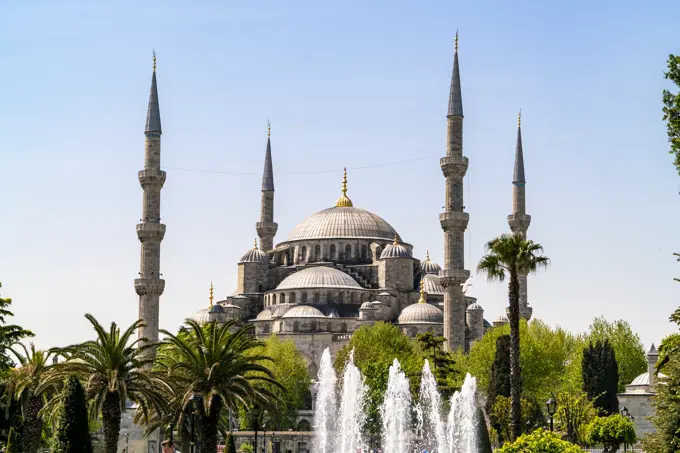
<point x="21" y="385"/>
<point x="508" y="256"/>
<point x="114" y="369"/>
<point x="218" y="365"/>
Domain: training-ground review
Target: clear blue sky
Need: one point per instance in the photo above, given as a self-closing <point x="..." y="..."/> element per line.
<point x="345" y="83"/>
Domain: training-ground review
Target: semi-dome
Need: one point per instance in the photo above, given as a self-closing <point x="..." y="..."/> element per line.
<point x="421" y="313"/>
<point x="395" y="250"/>
<point x="264" y="315"/>
<point x="280" y="310"/>
<point x="428" y="266"/>
<point x="202" y="316"/>
<point x="303" y="311"/>
<point x="433" y="285"/>
<point x="318" y="277"/>
<point x="342" y="222"/>
<point x="475" y="307"/>
<point x="255" y="255"/>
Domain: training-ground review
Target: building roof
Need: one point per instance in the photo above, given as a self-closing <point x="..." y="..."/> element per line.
<point x="268" y="173"/>
<point x="318" y="277"/>
<point x="303" y="311"/>
<point x="255" y="255"/>
<point x="518" y="175"/>
<point x="455" y="94"/>
<point x="264" y="315"/>
<point x="202" y="316"/>
<point x="153" y="113"/>
<point x="432" y="285"/>
<point x="421" y="313"/>
<point x="343" y="222"/>
<point x="395" y="250"/>
<point x="643" y="379"/>
<point x="475" y="307"/>
<point x="428" y="266"/>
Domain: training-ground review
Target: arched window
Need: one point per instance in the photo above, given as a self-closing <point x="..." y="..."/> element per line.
<point x="341" y="297"/>
<point x="265" y="328"/>
<point x="348" y="252"/>
<point x="274" y="299"/>
<point x="363" y="298"/>
<point x="316" y="298"/>
<point x="329" y="297"/>
<point x="292" y="298"/>
<point x="281" y="326"/>
<point x="352" y="297"/>
<point x="296" y="326"/>
<point x="343" y="327"/>
<point x="304" y="298"/>
<point x="304" y="425"/>
<point x="414" y="332"/>
<point x="317" y="252"/>
<point x="283" y="298"/>
<point x="332" y="252"/>
<point x="312" y="326"/>
<point x="329" y="326"/>
<point x="364" y="252"/>
<point x="304" y="253"/>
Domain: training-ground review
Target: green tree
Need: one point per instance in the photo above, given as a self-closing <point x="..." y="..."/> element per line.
<point x="508" y="256"/>
<point x="671" y="108"/>
<point x="628" y="348"/>
<point x="499" y="384"/>
<point x="230" y="444"/>
<point x="72" y="434"/>
<point x="12" y="446"/>
<point x="442" y="362"/>
<point x="611" y="432"/>
<point x="574" y="412"/>
<point x="375" y="348"/>
<point x="532" y="417"/>
<point x="115" y="370"/>
<point x="601" y="376"/>
<point x="540" y="441"/>
<point x="483" y="441"/>
<point x="21" y="385"/>
<point x="218" y="366"/>
<point x="10" y="334"/>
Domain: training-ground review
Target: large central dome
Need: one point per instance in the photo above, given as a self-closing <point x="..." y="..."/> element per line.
<point x="343" y="222"/>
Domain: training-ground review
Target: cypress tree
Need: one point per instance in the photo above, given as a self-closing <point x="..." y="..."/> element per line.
<point x="73" y="432"/>
<point x="601" y="376"/>
<point x="483" y="441"/>
<point x="499" y="384"/>
<point x="12" y="446"/>
<point x="231" y="445"/>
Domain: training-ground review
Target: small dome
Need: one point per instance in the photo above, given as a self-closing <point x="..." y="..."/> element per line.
<point x="475" y="307"/>
<point x="255" y="255"/>
<point x="395" y="250"/>
<point x="216" y="309"/>
<point x="280" y="310"/>
<point x="643" y="379"/>
<point x="429" y="267"/>
<point x="264" y="315"/>
<point x="502" y="319"/>
<point x="367" y="306"/>
<point x="318" y="277"/>
<point x="421" y="313"/>
<point x="433" y="285"/>
<point x="202" y="316"/>
<point x="303" y="311"/>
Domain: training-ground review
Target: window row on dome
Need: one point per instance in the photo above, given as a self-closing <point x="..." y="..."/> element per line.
<point x="302" y="326"/>
<point x="331" y="250"/>
<point x="317" y="297"/>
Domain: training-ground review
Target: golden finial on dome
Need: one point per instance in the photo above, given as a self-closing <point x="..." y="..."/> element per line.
<point x="422" y="293"/>
<point x="255" y="244"/>
<point x="269" y="129"/>
<point x="427" y="255"/>
<point x="211" y="294"/>
<point x="519" y="118"/>
<point x="344" y="201"/>
<point x="154" y="60"/>
<point x="396" y="240"/>
<point x="456" y="41"/>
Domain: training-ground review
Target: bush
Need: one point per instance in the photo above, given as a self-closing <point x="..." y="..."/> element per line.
<point x="246" y="447"/>
<point x="73" y="432"/>
<point x="230" y="444"/>
<point x="612" y="431"/>
<point x="12" y="446"/>
<point x="540" y="441"/>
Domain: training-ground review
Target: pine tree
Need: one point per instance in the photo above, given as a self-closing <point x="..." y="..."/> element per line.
<point x="12" y="442"/>
<point x="73" y="433"/>
<point x="601" y="376"/>
<point x="231" y="445"/>
<point x="499" y="385"/>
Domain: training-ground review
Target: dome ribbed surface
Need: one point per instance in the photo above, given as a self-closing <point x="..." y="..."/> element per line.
<point x="280" y="310"/>
<point x="318" y="277"/>
<point x="430" y="267"/>
<point x="202" y="316"/>
<point x="475" y="307"/>
<point x="264" y="315"/>
<point x="421" y="314"/>
<point x="367" y="306"/>
<point x="395" y="251"/>
<point x="343" y="222"/>
<point x="255" y="256"/>
<point x="432" y="285"/>
<point x="303" y="311"/>
<point x="643" y="379"/>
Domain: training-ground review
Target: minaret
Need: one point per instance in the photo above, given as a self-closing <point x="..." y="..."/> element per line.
<point x="150" y="231"/>
<point x="266" y="227"/>
<point x="453" y="220"/>
<point x="519" y="220"/>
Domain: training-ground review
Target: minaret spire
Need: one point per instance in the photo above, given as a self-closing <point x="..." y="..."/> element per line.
<point x="519" y="220"/>
<point x="150" y="231"/>
<point x="266" y="227"/>
<point x="454" y="220"/>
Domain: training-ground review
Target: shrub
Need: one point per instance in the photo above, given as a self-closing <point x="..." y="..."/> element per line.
<point x="12" y="446"/>
<point x="73" y="432"/>
<point x="540" y="441"/>
<point x="612" y="431"/>
<point x="230" y="444"/>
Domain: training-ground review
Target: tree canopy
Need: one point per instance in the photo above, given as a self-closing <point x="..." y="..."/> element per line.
<point x="10" y="334"/>
<point x="540" y="441"/>
<point x="671" y="108"/>
<point x="72" y="434"/>
<point x="601" y="376"/>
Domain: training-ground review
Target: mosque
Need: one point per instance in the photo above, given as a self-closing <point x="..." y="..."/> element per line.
<point x="341" y="268"/>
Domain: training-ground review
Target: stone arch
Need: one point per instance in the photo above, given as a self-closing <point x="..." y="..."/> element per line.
<point x="364" y="252"/>
<point x="348" y="252"/>
<point x="283" y="298"/>
<point x="304" y="253"/>
<point x="343" y="327"/>
<point x="329" y="296"/>
<point x="362" y="299"/>
<point x="414" y="332"/>
<point x="304" y="298"/>
<point x="333" y="252"/>
<point x="265" y="327"/>
<point x="317" y="252"/>
<point x="296" y="326"/>
<point x="329" y="326"/>
<point x="280" y="326"/>
<point x="317" y="297"/>
<point x="304" y="425"/>
<point x="293" y="298"/>
<point x="273" y="299"/>
<point x="341" y="297"/>
<point x="352" y="298"/>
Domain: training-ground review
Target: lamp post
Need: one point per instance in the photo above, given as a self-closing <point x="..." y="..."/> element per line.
<point x="195" y="401"/>
<point x="127" y="439"/>
<point x="551" y="404"/>
<point x="264" y="437"/>
<point x="629" y="416"/>
<point x="171" y="427"/>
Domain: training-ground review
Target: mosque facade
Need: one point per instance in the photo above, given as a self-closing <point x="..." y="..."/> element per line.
<point x="341" y="268"/>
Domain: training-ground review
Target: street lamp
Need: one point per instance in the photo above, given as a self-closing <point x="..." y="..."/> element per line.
<point x="171" y="428"/>
<point x="195" y="401"/>
<point x="552" y="408"/>
<point x="127" y="439"/>
<point x="264" y="437"/>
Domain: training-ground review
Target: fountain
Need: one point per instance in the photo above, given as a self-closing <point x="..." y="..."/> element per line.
<point x="407" y="427"/>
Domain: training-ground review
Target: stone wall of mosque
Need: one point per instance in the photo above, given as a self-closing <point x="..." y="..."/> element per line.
<point x="639" y="406"/>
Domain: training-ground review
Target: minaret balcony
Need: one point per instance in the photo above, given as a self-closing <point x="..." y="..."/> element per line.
<point x="266" y="228"/>
<point x="519" y="223"/>
<point x="149" y="286"/>
<point x="453" y="277"/>
<point x="151" y="178"/>
<point x="454" y="166"/>
<point x="454" y="221"/>
<point x="152" y="232"/>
